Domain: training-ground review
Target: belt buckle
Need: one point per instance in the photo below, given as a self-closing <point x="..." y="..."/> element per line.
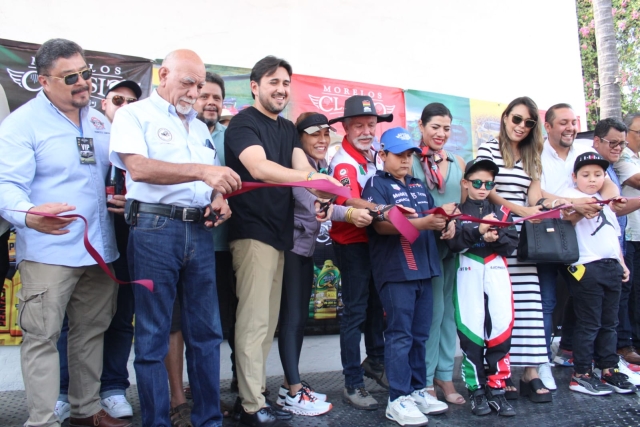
<point x="184" y="215"/>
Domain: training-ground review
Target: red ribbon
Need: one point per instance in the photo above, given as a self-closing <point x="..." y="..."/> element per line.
<point x="92" y="251"/>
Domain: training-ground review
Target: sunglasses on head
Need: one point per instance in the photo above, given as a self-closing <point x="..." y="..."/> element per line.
<point x="71" y="79"/>
<point x="477" y="184"/>
<point x="118" y="100"/>
<point x="516" y="120"/>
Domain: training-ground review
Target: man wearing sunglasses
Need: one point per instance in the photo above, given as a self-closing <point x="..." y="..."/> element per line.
<point x="54" y="159"/>
<point x="123" y="93"/>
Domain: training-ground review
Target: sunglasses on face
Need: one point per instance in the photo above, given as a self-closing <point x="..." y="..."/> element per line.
<point x="516" y="120"/>
<point x="118" y="100"/>
<point x="477" y="184"/>
<point x="614" y="144"/>
<point x="71" y="79"/>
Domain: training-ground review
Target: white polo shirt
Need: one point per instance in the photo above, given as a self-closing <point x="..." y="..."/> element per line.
<point x="152" y="128"/>
<point x="556" y="172"/>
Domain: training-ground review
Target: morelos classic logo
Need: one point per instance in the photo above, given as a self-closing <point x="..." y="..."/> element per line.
<point x="331" y="100"/>
<point x="103" y="77"/>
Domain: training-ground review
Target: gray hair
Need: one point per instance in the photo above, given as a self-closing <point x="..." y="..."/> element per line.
<point x="54" y="49"/>
<point x="629" y="118"/>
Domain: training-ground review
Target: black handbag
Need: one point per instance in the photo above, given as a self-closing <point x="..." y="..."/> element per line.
<point x="552" y="240"/>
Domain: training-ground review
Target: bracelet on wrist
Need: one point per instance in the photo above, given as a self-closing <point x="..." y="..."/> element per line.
<point x="310" y="175"/>
<point x="553" y="204"/>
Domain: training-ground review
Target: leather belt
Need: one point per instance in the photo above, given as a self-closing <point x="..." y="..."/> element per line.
<point x="172" y="212"/>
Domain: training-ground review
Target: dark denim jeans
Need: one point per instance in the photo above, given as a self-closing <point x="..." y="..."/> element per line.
<point x="547" y="276"/>
<point x="409" y="308"/>
<point x="629" y="331"/>
<point x="596" y="298"/>
<point x="362" y="308"/>
<point x="171" y="251"/>
<point x="117" y="341"/>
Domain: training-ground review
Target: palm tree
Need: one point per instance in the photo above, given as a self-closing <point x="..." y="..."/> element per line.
<point x="608" y="72"/>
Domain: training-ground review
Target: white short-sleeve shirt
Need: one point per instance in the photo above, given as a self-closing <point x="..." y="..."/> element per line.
<point x="152" y="128"/>
<point x="556" y="172"/>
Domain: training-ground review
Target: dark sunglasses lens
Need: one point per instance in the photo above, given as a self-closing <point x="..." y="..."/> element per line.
<point x="529" y="124"/>
<point x="71" y="79"/>
<point x="489" y="185"/>
<point x="117" y="100"/>
<point x="131" y="100"/>
<point x="86" y="74"/>
<point x="477" y="184"/>
<point x="516" y="120"/>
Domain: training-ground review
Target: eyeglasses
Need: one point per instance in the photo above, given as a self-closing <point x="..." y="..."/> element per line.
<point x="529" y="123"/>
<point x="636" y="131"/>
<point x="477" y="184"/>
<point x="71" y="79"/>
<point x="614" y="144"/>
<point x="118" y="100"/>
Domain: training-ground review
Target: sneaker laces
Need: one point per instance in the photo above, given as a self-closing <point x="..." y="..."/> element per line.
<point x="306" y="386"/>
<point x="478" y="398"/>
<point x="362" y="392"/>
<point x="616" y="375"/>
<point x="408" y="400"/>
<point x="303" y="392"/>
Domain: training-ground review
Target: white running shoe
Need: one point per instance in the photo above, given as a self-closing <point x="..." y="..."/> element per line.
<point x="62" y="410"/>
<point x="404" y="411"/>
<point x="117" y="406"/>
<point x="544" y="371"/>
<point x="428" y="404"/>
<point x="305" y="404"/>
<point x="283" y="391"/>
<point x="634" y="377"/>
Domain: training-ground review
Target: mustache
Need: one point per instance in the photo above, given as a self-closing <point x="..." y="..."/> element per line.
<point x="80" y="90"/>
<point x="363" y="138"/>
<point x="187" y="99"/>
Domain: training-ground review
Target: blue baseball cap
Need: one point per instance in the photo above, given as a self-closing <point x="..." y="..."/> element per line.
<point x="397" y="140"/>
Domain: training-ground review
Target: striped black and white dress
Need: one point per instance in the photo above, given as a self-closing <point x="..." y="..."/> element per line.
<point x="528" y="346"/>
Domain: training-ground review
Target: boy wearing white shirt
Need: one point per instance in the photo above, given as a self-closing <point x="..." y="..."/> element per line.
<point x="595" y="281"/>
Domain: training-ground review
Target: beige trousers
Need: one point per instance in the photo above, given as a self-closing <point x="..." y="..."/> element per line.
<point x="88" y="296"/>
<point x="258" y="269"/>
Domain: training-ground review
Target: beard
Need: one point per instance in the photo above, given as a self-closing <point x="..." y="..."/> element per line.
<point x="185" y="110"/>
<point x="209" y="122"/>
<point x="83" y="103"/>
<point x="363" y="146"/>
<point x="270" y="105"/>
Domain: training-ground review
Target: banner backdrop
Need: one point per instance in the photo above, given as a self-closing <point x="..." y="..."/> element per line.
<point x="19" y="79"/>
<point x="460" y="141"/>
<point x="327" y="96"/>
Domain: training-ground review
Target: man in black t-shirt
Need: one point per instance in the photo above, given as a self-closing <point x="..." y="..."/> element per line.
<point x="262" y="146"/>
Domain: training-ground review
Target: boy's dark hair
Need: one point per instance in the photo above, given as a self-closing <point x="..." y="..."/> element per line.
<point x="551" y="112"/>
<point x="215" y="78"/>
<point x="54" y="49"/>
<point x="604" y="125"/>
<point x="267" y="66"/>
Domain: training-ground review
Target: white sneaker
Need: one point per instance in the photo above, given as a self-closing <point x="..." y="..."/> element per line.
<point x="404" y="411"/>
<point x="634" y="377"/>
<point x="62" y="410"/>
<point x="305" y="404"/>
<point x="428" y="404"/>
<point x="544" y="372"/>
<point x="283" y="391"/>
<point x="117" y="406"/>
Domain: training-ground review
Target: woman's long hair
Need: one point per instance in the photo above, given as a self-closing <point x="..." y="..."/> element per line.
<point x="530" y="148"/>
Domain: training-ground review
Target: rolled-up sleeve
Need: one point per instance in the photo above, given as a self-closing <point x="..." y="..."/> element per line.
<point x="17" y="169"/>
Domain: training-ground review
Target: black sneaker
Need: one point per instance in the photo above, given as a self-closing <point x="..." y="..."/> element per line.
<point x="498" y="401"/>
<point x="618" y="381"/>
<point x="479" y="404"/>
<point x="263" y="418"/>
<point x="376" y="372"/>
<point x="281" y="415"/>
<point x="589" y="383"/>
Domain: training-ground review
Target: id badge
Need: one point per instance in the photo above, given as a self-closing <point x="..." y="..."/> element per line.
<point x="86" y="151"/>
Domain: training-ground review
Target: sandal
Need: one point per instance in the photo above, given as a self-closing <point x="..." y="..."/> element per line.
<point x="455" y="397"/>
<point x="510" y="394"/>
<point x="531" y="388"/>
<point x="181" y="416"/>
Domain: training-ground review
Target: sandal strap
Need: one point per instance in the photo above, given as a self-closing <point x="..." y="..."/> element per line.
<point x="537" y="384"/>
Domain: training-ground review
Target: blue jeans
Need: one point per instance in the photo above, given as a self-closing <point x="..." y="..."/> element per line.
<point x="547" y="276"/>
<point x="117" y="342"/>
<point x="362" y="308"/>
<point x="168" y="252"/>
<point x="409" y="308"/>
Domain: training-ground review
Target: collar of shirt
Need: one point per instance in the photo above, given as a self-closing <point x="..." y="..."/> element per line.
<point x="217" y="129"/>
<point x="44" y="100"/>
<point x="548" y="148"/>
<point x="163" y="104"/>
<point x="356" y="154"/>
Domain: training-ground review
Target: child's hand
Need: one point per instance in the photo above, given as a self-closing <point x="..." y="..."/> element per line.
<point x="618" y="204"/>
<point x="484" y="227"/>
<point x="490" y="236"/>
<point x="450" y="231"/>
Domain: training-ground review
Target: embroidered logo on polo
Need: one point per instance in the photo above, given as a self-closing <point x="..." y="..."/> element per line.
<point x="97" y="123"/>
<point x="395" y="187"/>
<point x="164" y="134"/>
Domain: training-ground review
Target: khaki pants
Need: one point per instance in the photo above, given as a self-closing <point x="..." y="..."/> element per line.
<point x="89" y="297"/>
<point x="258" y="269"/>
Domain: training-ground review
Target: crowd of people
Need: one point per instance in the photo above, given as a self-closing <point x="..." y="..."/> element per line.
<point x="411" y="297"/>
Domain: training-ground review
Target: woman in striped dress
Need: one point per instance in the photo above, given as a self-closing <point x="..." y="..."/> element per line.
<point x="517" y="154"/>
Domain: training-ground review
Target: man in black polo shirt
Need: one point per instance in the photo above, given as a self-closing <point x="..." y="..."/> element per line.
<point x="262" y="146"/>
